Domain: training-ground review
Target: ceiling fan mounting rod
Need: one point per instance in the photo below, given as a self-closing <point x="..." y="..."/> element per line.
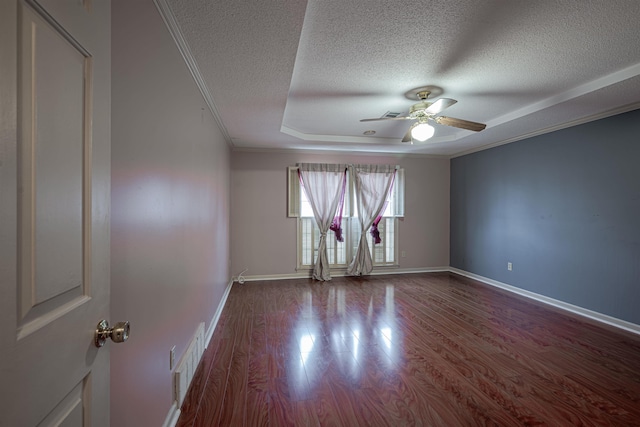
<point x="423" y="94"/>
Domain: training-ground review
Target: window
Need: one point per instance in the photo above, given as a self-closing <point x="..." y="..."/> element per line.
<point x="340" y="253"/>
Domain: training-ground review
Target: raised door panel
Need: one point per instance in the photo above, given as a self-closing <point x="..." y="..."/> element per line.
<point x="55" y="173"/>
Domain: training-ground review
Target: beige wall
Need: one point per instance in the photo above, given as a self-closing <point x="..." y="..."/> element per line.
<point x="264" y="239"/>
<point x="170" y="212"/>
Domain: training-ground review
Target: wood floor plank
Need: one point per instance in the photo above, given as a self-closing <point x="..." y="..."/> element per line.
<point x="325" y="404"/>
<point x="305" y="414"/>
<point x="235" y="395"/>
<point x="211" y="401"/>
<point x="257" y="404"/>
<point x="412" y="400"/>
<point x="347" y="407"/>
<point x="189" y="408"/>
<point x="434" y="349"/>
<point x="280" y="405"/>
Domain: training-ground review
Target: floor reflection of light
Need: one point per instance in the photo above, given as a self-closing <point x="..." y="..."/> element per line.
<point x="390" y="339"/>
<point x="335" y="338"/>
<point x="386" y="337"/>
<point x="341" y="301"/>
<point x="389" y="300"/>
<point x="308" y="305"/>
<point x="356" y="343"/>
<point x="306" y="345"/>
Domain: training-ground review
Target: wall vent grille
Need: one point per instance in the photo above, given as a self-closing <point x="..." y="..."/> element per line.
<point x="186" y="369"/>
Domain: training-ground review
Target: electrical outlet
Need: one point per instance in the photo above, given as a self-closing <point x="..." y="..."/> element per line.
<point x="403" y="254"/>
<point x="509" y="266"/>
<point x="172" y="357"/>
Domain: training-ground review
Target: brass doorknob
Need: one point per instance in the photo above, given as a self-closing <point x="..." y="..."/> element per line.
<point x="119" y="333"/>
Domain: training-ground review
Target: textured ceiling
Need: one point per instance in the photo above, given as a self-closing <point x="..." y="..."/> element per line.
<point x="300" y="75"/>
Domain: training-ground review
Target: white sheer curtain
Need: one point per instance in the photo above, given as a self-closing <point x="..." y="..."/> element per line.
<point x="372" y="186"/>
<point x="324" y="185"/>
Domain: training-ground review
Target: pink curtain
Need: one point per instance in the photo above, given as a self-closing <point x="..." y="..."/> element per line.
<point x="372" y="186"/>
<point x="324" y="185"/>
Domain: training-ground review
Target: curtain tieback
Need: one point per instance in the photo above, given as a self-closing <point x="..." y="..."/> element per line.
<point x="337" y="229"/>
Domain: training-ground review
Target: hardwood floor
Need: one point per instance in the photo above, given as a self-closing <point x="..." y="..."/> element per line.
<point x="432" y="349"/>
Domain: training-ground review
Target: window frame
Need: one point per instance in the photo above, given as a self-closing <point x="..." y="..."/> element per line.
<point x="349" y="223"/>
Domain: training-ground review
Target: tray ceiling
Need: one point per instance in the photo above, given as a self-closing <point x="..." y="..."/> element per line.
<point x="300" y="75"/>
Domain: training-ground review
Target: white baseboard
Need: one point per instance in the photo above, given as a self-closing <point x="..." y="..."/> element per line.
<point x="284" y="276"/>
<point x="174" y="412"/>
<point x="172" y="416"/>
<point x="216" y="315"/>
<point x="594" y="315"/>
<point x="383" y="272"/>
<point x="380" y="271"/>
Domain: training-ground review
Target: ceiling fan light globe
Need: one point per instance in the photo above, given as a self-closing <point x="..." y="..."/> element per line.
<point x="422" y="131"/>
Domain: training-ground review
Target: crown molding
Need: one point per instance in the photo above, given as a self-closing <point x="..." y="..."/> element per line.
<point x="397" y="155"/>
<point x="591" y="118"/>
<point x="183" y="47"/>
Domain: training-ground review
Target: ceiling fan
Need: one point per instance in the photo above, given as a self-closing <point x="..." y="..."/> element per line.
<point x="425" y="111"/>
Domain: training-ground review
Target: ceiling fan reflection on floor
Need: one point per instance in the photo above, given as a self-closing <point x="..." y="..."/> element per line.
<point x="425" y="111"/>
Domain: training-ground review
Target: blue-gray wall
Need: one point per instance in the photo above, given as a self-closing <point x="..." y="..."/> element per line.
<point x="563" y="207"/>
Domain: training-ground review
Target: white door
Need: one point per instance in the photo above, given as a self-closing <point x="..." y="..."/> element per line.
<point x="54" y="211"/>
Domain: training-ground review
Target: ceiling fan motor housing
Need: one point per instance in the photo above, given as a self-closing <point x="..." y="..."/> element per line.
<point x="418" y="110"/>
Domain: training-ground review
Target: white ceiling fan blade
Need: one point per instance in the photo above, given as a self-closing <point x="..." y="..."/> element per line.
<point x="440" y="105"/>
<point x="407" y="136"/>
<point x="459" y="123"/>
